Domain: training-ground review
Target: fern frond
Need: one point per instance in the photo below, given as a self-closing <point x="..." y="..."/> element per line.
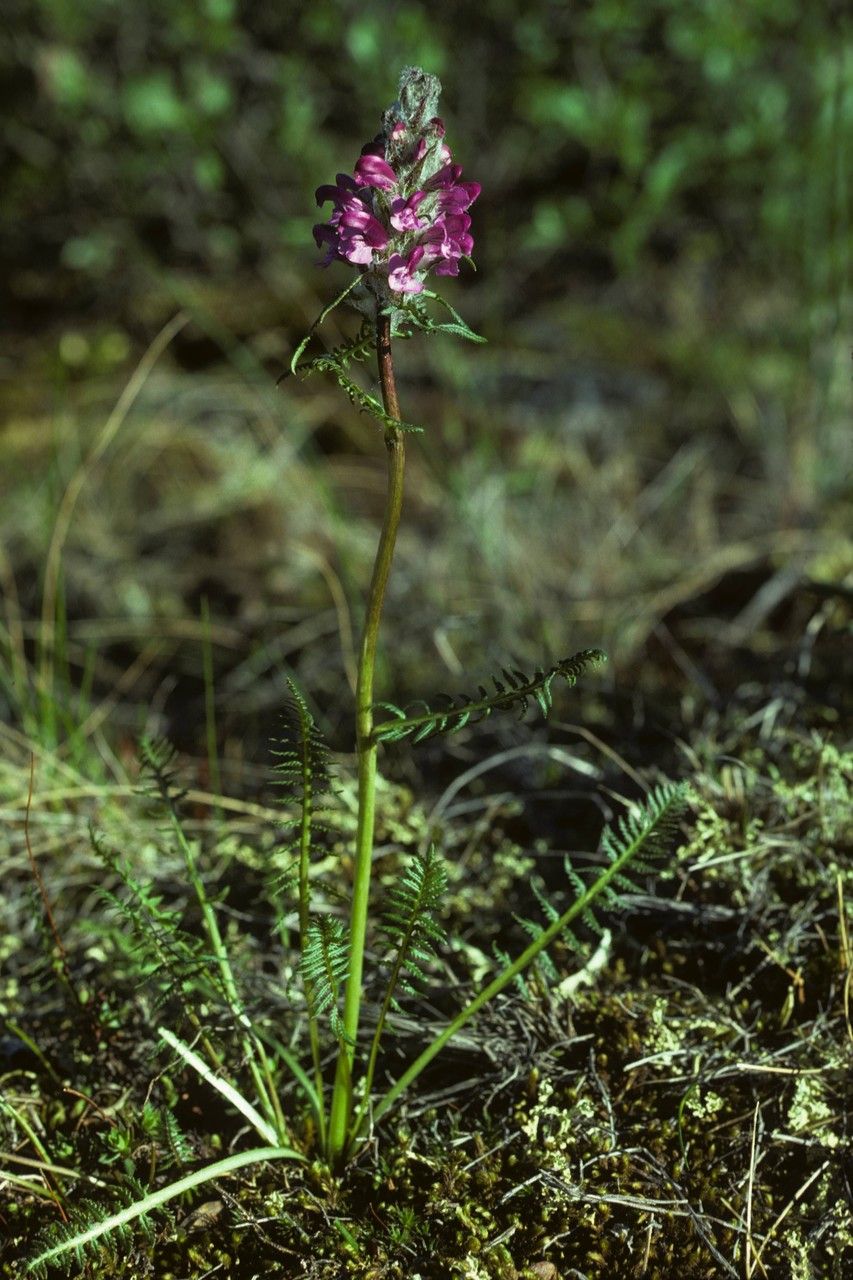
<point x="543" y="965"/>
<point x="644" y="834"/>
<point x="632" y="847"/>
<point x="366" y="403"/>
<point x="152" y="937"/>
<point x="410" y="925"/>
<point x="324" y="967"/>
<point x="504" y="961"/>
<point x="158" y="775"/>
<point x="159" y="1125"/>
<point x="303" y="759"/>
<point x="357" y="348"/>
<point x="413" y="316"/>
<point x="513" y="689"/>
<point x="413" y="932"/>
<point x="79" y="1234"/>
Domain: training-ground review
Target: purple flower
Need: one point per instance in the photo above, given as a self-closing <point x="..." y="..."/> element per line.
<point x="346" y="187"/>
<point x="445" y="177"/>
<point x="376" y="172"/>
<point x="402" y="212"/>
<point x="458" y="198"/>
<point x="447" y="240"/>
<point x="401" y="278"/>
<point x="360" y="235"/>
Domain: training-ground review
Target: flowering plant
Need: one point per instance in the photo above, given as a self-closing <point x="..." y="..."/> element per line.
<point x="402" y="214"/>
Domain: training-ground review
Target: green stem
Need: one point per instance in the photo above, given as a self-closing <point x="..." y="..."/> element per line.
<point x="341" y="1110"/>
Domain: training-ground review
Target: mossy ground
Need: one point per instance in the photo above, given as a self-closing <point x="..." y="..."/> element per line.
<point x="683" y="1114"/>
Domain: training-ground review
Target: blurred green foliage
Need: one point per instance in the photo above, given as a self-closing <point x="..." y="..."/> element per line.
<point x="178" y="134"/>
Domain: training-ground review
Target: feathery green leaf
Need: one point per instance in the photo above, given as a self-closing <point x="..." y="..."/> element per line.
<point x="303" y="760"/>
<point x="409" y="923"/>
<point x="324" y="968"/>
<point x="512" y="689"/>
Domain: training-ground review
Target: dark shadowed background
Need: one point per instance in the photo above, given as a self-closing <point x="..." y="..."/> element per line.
<point x="663" y="247"/>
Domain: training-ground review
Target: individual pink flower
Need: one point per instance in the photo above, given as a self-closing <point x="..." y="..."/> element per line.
<point x="401" y="277"/>
<point x="376" y="172"/>
<point x="361" y="236"/>
<point x="445" y="177"/>
<point x="459" y="197"/>
<point x="404" y="213"/>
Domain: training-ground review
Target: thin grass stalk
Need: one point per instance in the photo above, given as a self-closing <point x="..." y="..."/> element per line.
<point x="341" y="1110"/>
<point x="213" y="769"/>
<point x="53" y="559"/>
<point x="304" y="917"/>
<point x="256" y="1056"/>
<point x="374" y="1048"/>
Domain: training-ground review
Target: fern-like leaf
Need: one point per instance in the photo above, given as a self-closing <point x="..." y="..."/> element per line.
<point x="91" y="1228"/>
<point x="324" y="967"/>
<point x="644" y="834"/>
<point x="632" y="846"/>
<point x="337" y="362"/>
<point x="366" y="403"/>
<point x="410" y="925"/>
<point x="81" y="1235"/>
<point x="513" y="689"/>
<point x="303" y="760"/>
<point x="151" y="936"/>
<point x="158" y="775"/>
<point x="357" y="348"/>
<point x="413" y="316"/>
<point x="411" y="928"/>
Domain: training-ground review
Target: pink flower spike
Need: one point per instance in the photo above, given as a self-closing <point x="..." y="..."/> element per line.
<point x="401" y="278"/>
<point x="376" y="172"/>
<point x="403" y="211"/>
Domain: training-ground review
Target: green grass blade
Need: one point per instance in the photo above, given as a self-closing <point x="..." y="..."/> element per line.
<point x="258" y="1155"/>
<point x="256" y="1120"/>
